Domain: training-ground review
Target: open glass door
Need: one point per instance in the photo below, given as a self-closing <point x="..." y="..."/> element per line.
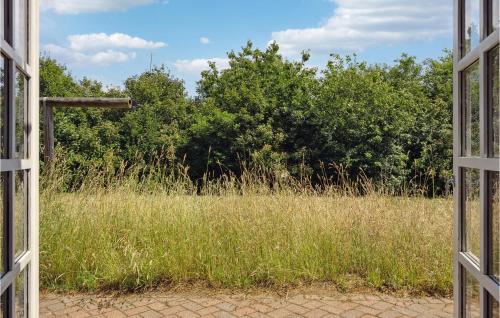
<point x="476" y="158"/>
<point x="19" y="158"/>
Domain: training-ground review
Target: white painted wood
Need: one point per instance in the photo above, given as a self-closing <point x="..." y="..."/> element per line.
<point x="33" y="212"/>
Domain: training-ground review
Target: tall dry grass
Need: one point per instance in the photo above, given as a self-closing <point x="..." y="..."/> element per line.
<point x="259" y="229"/>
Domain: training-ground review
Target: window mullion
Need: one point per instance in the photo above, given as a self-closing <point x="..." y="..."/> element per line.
<point x="11" y="154"/>
<point x="10" y="239"/>
<point x="458" y="20"/>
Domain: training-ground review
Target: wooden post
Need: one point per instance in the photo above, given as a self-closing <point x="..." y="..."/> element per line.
<point x="50" y="103"/>
<point x="48" y="131"/>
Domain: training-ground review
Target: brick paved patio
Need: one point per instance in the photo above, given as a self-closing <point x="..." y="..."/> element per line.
<point x="187" y="305"/>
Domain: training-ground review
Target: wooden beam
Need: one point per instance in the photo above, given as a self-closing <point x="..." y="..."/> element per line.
<point x="115" y="103"/>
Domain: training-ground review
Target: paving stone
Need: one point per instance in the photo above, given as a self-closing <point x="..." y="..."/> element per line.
<point x="187" y="314"/>
<point x="191" y="305"/>
<point x="158" y="306"/>
<point x="136" y="310"/>
<point x="210" y="302"/>
<point x="382" y="305"/>
<point x="280" y="313"/>
<point x="243" y="311"/>
<point x="274" y="303"/>
<point x="332" y="309"/>
<point x="313" y="304"/>
<point x="390" y="314"/>
<point x="172" y="310"/>
<point x="151" y="314"/>
<point x="226" y="306"/>
<point x="316" y="313"/>
<point x="352" y="314"/>
<point x="407" y="312"/>
<point x="115" y="314"/>
<point x="369" y="310"/>
<point x="262" y="308"/>
<point x="223" y="314"/>
<point x="297" y="309"/>
<point x="100" y="311"/>
<point x="179" y="305"/>
<point x="258" y="315"/>
<point x="345" y="305"/>
<point x="208" y="310"/>
<point x="427" y="315"/>
<point x="367" y="302"/>
<point x="297" y="299"/>
<point x="80" y="314"/>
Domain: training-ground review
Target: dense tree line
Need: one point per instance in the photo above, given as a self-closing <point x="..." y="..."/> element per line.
<point x="390" y="123"/>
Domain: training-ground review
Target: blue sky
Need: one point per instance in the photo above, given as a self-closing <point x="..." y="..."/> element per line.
<point x="110" y="40"/>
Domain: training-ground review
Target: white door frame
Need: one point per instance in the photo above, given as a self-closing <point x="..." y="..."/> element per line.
<point x="475" y="164"/>
<point x="19" y="162"/>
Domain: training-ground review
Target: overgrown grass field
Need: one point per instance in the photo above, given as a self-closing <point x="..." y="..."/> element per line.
<point x="119" y="237"/>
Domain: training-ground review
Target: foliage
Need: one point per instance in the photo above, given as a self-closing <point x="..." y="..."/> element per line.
<point x="257" y="110"/>
<point x="389" y="123"/>
<point x="160" y="119"/>
<point x="371" y="119"/>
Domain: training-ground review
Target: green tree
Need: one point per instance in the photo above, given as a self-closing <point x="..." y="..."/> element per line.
<point x="161" y="115"/>
<point x="362" y="120"/>
<point x="257" y="110"/>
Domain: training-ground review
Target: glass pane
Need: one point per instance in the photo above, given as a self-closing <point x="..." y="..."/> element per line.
<point x="21" y="108"/>
<point x="470" y="112"/>
<point x="2" y="16"/>
<point x="471" y="212"/>
<point x="494" y="224"/>
<point x="21" y="30"/>
<point x="471" y="30"/>
<point x="3" y="109"/>
<point x="7" y="20"/>
<point x="20" y="214"/>
<point x="3" y="211"/>
<point x="494" y="16"/>
<point x="20" y="297"/>
<point x="471" y="299"/>
<point x="494" y="102"/>
<point x="3" y="307"/>
<point x="493" y="307"/>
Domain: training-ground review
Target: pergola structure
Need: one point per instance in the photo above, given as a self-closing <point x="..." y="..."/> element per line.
<point x="50" y="103"/>
<point x="476" y="117"/>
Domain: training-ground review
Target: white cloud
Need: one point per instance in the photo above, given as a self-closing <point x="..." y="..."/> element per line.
<point x="99" y="48"/>
<point x="103" y="58"/>
<point x="96" y="41"/>
<point x="109" y="57"/>
<point x="196" y="66"/>
<point x="358" y="24"/>
<point x="204" y="40"/>
<point x="88" y="6"/>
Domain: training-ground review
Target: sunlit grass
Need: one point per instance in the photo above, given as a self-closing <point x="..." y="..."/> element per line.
<point x="124" y="239"/>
